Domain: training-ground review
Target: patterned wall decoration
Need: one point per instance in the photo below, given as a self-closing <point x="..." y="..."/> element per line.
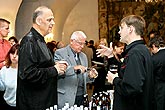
<point x="112" y="11"/>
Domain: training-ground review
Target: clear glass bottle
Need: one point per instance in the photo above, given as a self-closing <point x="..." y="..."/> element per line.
<point x="86" y="101"/>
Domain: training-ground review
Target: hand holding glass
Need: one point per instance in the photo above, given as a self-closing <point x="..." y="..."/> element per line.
<point x="92" y="72"/>
<point x="61" y="66"/>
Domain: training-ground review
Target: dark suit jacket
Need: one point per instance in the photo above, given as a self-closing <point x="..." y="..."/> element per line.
<point x="159" y="65"/>
<point x="159" y="76"/>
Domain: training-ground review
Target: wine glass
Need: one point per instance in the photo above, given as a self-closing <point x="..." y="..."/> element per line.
<point x="113" y="68"/>
<point x="88" y="69"/>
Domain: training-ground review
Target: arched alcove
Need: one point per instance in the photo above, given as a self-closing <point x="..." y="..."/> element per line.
<point x="81" y="13"/>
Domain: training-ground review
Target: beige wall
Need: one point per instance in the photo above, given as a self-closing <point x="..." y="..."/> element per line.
<point x="84" y="16"/>
<point x="8" y="11"/>
<point x="70" y="15"/>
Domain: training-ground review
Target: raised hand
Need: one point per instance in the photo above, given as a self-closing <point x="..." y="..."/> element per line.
<point x="105" y="51"/>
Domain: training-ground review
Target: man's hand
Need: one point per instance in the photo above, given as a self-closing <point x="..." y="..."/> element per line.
<point x="93" y="73"/>
<point x="61" y="66"/>
<point x="105" y="51"/>
<point x="111" y="76"/>
<point x="81" y="68"/>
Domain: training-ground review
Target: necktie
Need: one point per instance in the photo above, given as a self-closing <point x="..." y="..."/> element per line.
<point x="77" y="59"/>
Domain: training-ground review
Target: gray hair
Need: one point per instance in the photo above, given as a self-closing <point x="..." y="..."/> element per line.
<point x="78" y="34"/>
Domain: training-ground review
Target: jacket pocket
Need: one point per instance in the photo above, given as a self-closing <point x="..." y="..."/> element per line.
<point x="61" y="91"/>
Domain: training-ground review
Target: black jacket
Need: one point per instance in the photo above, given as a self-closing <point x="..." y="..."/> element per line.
<point x="159" y="65"/>
<point x="37" y="77"/>
<point x="134" y="90"/>
<point x="159" y="78"/>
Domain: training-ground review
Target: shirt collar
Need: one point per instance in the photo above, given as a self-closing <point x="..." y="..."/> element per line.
<point x="161" y="48"/>
<point x="74" y="53"/>
<point x="1" y="41"/>
<point x="37" y="34"/>
<point x="128" y="47"/>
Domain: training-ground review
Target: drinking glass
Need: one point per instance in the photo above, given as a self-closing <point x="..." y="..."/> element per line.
<point x="113" y="68"/>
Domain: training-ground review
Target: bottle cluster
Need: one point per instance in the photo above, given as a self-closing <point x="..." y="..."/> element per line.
<point x="52" y="108"/>
<point x="99" y="101"/>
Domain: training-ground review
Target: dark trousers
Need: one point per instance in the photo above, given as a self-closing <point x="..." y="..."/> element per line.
<point x="8" y="107"/>
<point x="79" y="100"/>
<point x="159" y="95"/>
<point x="3" y="104"/>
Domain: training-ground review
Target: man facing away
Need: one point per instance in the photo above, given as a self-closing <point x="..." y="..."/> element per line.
<point x="37" y="74"/>
<point x="157" y="47"/>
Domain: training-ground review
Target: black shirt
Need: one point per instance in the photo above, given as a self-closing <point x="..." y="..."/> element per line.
<point x="37" y="76"/>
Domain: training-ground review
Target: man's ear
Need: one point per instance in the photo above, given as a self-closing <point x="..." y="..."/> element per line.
<point x="153" y="46"/>
<point x="71" y="41"/>
<point x="38" y="21"/>
<point x="131" y="28"/>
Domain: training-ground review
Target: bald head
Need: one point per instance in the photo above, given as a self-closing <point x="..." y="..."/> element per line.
<point x="39" y="11"/>
<point x="43" y="20"/>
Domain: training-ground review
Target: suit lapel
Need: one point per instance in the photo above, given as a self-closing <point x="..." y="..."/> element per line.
<point x="70" y="56"/>
<point x="72" y="59"/>
<point x="81" y="59"/>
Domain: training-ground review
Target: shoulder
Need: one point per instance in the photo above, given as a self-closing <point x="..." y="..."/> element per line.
<point x="83" y="55"/>
<point x="28" y="36"/>
<point x="139" y="49"/>
<point x="64" y="49"/>
<point x="3" y="70"/>
<point x="159" y="55"/>
<point x="6" y="42"/>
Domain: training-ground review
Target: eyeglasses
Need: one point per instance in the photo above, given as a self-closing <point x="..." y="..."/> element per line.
<point x="80" y="43"/>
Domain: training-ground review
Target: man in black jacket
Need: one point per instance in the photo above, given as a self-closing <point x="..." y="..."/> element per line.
<point x="157" y="47"/>
<point x="134" y="90"/>
<point x="37" y="74"/>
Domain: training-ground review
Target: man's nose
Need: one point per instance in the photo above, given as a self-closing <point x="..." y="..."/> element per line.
<point x="53" y="22"/>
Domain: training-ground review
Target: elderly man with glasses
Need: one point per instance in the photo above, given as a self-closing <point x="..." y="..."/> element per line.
<point x="72" y="85"/>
